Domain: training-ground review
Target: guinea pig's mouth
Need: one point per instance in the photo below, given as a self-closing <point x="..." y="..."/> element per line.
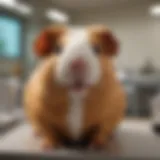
<point x="78" y="85"/>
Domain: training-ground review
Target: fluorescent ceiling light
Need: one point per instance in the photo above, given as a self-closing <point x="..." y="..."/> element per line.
<point x="24" y="8"/>
<point x="8" y="3"/>
<point x="56" y="15"/>
<point x="155" y="10"/>
<point x="20" y="7"/>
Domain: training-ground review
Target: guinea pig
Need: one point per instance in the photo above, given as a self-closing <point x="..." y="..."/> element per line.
<point x="74" y="98"/>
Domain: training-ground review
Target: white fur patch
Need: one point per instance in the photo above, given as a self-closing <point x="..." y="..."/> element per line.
<point x="77" y="47"/>
<point x="75" y="114"/>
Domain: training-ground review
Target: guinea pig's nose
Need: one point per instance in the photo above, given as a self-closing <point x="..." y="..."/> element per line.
<point x="78" y="65"/>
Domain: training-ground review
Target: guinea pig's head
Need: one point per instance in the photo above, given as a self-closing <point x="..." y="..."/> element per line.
<point x="78" y="53"/>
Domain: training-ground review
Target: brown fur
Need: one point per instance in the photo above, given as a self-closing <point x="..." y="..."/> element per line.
<point x="47" y="40"/>
<point x="46" y="102"/>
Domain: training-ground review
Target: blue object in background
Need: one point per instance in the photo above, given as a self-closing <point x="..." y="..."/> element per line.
<point x="10" y="37"/>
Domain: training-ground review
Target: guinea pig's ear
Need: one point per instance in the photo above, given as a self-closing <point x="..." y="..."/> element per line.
<point x="109" y="42"/>
<point x="46" y="40"/>
<point x="105" y="39"/>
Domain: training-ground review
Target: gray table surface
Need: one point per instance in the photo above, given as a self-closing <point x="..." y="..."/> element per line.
<point x="133" y="138"/>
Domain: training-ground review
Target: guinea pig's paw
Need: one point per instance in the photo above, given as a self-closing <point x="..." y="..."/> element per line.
<point x="47" y="145"/>
<point x="97" y="144"/>
<point x="37" y="134"/>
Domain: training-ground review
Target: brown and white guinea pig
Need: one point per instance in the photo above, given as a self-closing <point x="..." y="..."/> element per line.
<point x="74" y="98"/>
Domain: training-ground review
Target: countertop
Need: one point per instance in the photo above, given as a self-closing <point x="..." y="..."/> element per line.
<point x="133" y="138"/>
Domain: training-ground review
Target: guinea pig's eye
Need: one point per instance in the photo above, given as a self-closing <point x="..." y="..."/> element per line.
<point x="96" y="49"/>
<point x="58" y="49"/>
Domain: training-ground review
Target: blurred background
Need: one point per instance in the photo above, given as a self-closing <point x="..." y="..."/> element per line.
<point x="136" y="23"/>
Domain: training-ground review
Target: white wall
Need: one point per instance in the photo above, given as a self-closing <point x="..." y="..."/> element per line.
<point x="138" y="32"/>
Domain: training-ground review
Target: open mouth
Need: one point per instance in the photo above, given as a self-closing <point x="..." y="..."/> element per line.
<point x="78" y="85"/>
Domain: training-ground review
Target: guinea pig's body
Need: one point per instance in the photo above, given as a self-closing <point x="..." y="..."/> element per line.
<point x="66" y="116"/>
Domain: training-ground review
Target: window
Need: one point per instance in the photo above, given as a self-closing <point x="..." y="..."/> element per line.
<point x="10" y="37"/>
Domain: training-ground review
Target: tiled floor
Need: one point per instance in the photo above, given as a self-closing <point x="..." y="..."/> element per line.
<point x="133" y="138"/>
